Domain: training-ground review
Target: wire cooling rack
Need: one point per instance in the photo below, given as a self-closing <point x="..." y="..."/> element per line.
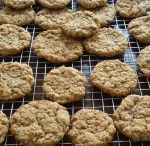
<point x="94" y="98"/>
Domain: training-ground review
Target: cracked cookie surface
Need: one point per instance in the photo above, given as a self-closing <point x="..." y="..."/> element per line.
<point x="16" y="80"/>
<point x="114" y="77"/>
<point x="64" y="85"/>
<point x="91" y="128"/>
<point x="40" y="123"/>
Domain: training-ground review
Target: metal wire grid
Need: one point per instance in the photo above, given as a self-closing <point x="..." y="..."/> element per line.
<point x="94" y="98"/>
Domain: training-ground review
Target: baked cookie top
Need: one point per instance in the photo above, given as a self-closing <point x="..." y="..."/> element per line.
<point x="54" y="4"/>
<point x="80" y="24"/>
<point x="55" y="47"/>
<point x="143" y="61"/>
<point x="18" y="4"/>
<point x="40" y="123"/>
<point x="13" y="39"/>
<point x="4" y="125"/>
<point x="114" y="77"/>
<point x="64" y="85"/>
<point x="107" y="42"/>
<point x="92" y="4"/>
<point x="132" y="117"/>
<point x="140" y="29"/>
<point x="50" y="19"/>
<point x="16" y="80"/>
<point x="91" y="128"/>
<point x="132" y="8"/>
<point x="16" y="17"/>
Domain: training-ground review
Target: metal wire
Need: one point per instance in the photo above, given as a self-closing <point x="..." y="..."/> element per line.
<point x="94" y="98"/>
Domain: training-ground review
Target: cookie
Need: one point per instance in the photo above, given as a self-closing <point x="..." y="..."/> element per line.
<point x="54" y="4"/>
<point x="132" y="117"/>
<point x="40" y="123"/>
<point x="132" y="8"/>
<point x="4" y="125"/>
<point x="107" y="42"/>
<point x="80" y="24"/>
<point x="55" y="47"/>
<point x="13" y="39"/>
<point x="18" y="4"/>
<point x="65" y="85"/>
<point x="16" y="17"/>
<point x="50" y="19"/>
<point x="16" y="80"/>
<point x="143" y="61"/>
<point x="114" y="77"/>
<point x="91" y="128"/>
<point x="140" y="29"/>
<point x="92" y="4"/>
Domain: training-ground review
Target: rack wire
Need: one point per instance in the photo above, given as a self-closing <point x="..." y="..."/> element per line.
<point x="94" y="98"/>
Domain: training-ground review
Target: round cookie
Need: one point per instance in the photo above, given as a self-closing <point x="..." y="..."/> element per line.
<point x="54" y="4"/>
<point x="50" y="19"/>
<point x="18" y="4"/>
<point x="91" y="128"/>
<point x="143" y="61"/>
<point x="107" y="42"/>
<point x="55" y="47"/>
<point x="140" y="29"/>
<point x="4" y="125"/>
<point x="16" y="17"/>
<point x="65" y="85"/>
<point x="132" y="117"/>
<point x="40" y="123"/>
<point x="114" y="77"/>
<point x="16" y="80"/>
<point x="92" y="4"/>
<point x="13" y="39"/>
<point x="132" y="8"/>
<point x="80" y="24"/>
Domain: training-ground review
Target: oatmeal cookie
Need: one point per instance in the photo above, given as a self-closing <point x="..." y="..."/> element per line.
<point x="64" y="85"/>
<point x="55" y="47"/>
<point x="107" y="42"/>
<point x="50" y="19"/>
<point x="114" y="77"/>
<point x="16" y="17"/>
<point x="140" y="29"/>
<point x="80" y="24"/>
<point x="91" y="128"/>
<point x="4" y="125"/>
<point x="16" y="80"/>
<point x="40" y="123"/>
<point x="132" y="117"/>
<point x="13" y="39"/>
<point x="132" y="8"/>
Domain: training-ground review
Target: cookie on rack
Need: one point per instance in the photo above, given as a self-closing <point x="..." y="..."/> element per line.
<point x="132" y="8"/>
<point x="114" y="77"/>
<point x="80" y="24"/>
<point x="107" y="42"/>
<point x="13" y="39"/>
<point x="143" y="61"/>
<point x="132" y="117"/>
<point x="16" y="17"/>
<point x="4" y="126"/>
<point x="55" y="47"/>
<point x="65" y="85"/>
<point x="54" y="4"/>
<point x="18" y="4"/>
<point x="92" y="4"/>
<point x="40" y="123"/>
<point x="140" y="29"/>
<point x="91" y="128"/>
<point x="16" y="80"/>
<point x="50" y="19"/>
